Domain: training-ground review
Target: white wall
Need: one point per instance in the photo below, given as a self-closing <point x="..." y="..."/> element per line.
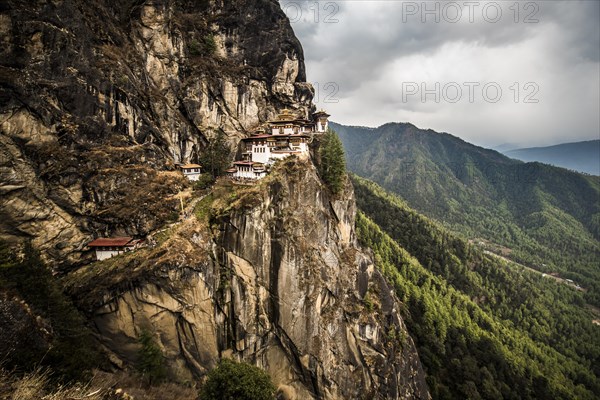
<point x="192" y="176"/>
<point x="286" y="131"/>
<point x="244" y="171"/>
<point x="320" y="128"/>
<point x="261" y="153"/>
<point x="104" y="254"/>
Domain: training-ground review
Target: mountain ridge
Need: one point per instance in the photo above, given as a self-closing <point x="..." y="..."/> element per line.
<point x="583" y="156"/>
<point x="548" y="216"/>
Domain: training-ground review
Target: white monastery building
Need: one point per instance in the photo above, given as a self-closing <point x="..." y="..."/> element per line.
<point x="289" y="135"/>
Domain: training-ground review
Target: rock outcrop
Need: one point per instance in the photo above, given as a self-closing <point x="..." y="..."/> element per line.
<point x="275" y="279"/>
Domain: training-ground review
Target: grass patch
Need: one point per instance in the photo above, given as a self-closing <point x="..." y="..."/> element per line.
<point x="203" y="208"/>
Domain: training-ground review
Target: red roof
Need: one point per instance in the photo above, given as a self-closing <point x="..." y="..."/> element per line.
<point x="113" y="242"/>
<point x="257" y="137"/>
<point x="190" y="166"/>
<point x="280" y="136"/>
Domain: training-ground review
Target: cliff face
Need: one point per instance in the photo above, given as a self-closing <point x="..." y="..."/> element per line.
<point x="276" y="279"/>
<point x="98" y="99"/>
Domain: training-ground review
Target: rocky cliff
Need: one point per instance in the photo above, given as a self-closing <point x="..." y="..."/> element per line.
<point x="270" y="274"/>
<point x="98" y="99"/>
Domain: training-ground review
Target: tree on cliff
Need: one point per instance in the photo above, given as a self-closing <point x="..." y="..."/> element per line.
<point x="216" y="156"/>
<point x="151" y="362"/>
<point x="72" y="349"/>
<point x="332" y="166"/>
<point x="240" y="381"/>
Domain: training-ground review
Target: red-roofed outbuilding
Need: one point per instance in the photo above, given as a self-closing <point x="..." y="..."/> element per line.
<point x="110" y="247"/>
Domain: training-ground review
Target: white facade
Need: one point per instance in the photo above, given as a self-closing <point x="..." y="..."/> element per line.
<point x="321" y="121"/>
<point x="291" y="128"/>
<point x="261" y="153"/>
<point x="102" y="254"/>
<point x="249" y="170"/>
<point x="191" y="171"/>
<point x="321" y="125"/>
<point x="193" y="175"/>
<point x="268" y="150"/>
<point x="110" y="247"/>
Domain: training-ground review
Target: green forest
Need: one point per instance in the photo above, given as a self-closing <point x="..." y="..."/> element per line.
<point x="545" y="217"/>
<point x="484" y="328"/>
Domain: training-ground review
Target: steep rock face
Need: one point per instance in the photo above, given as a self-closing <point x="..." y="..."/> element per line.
<point x="279" y="282"/>
<point x="90" y="89"/>
<point x="98" y="100"/>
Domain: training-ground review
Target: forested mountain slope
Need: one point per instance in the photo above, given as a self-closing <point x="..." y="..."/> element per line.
<point x="484" y="328"/>
<point x="543" y="216"/>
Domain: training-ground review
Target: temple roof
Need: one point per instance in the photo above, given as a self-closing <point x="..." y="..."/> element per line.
<point x="321" y="112"/>
<point x="190" y="166"/>
<point x="275" y="137"/>
<point x="112" y="242"/>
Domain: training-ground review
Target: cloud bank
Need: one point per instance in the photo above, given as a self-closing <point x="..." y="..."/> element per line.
<point x="526" y="73"/>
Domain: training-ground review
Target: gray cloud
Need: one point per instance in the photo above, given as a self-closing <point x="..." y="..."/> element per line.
<point x="376" y="47"/>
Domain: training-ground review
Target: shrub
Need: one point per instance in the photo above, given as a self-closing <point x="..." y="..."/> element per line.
<point x="210" y="46"/>
<point x="195" y="48"/>
<point x="204" y="182"/>
<point x="240" y="381"/>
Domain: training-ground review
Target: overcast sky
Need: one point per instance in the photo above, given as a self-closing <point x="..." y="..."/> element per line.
<point x="525" y="73"/>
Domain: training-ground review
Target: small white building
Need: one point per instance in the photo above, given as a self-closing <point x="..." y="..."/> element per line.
<point x="321" y="121"/>
<point x="110" y="247"/>
<point x="191" y="171"/>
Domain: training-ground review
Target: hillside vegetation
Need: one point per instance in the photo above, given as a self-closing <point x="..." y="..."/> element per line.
<point x="484" y="328"/>
<point x="545" y="217"/>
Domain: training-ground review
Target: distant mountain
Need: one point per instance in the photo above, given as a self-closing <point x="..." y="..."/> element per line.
<point x="542" y="216"/>
<point x="578" y="156"/>
<point x="504" y="147"/>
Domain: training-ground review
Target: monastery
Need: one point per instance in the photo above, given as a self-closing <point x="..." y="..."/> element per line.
<point x="287" y="135"/>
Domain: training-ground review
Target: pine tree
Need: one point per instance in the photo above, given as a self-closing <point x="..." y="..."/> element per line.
<point x="332" y="163"/>
<point x="216" y="156"/>
<point x="151" y="362"/>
